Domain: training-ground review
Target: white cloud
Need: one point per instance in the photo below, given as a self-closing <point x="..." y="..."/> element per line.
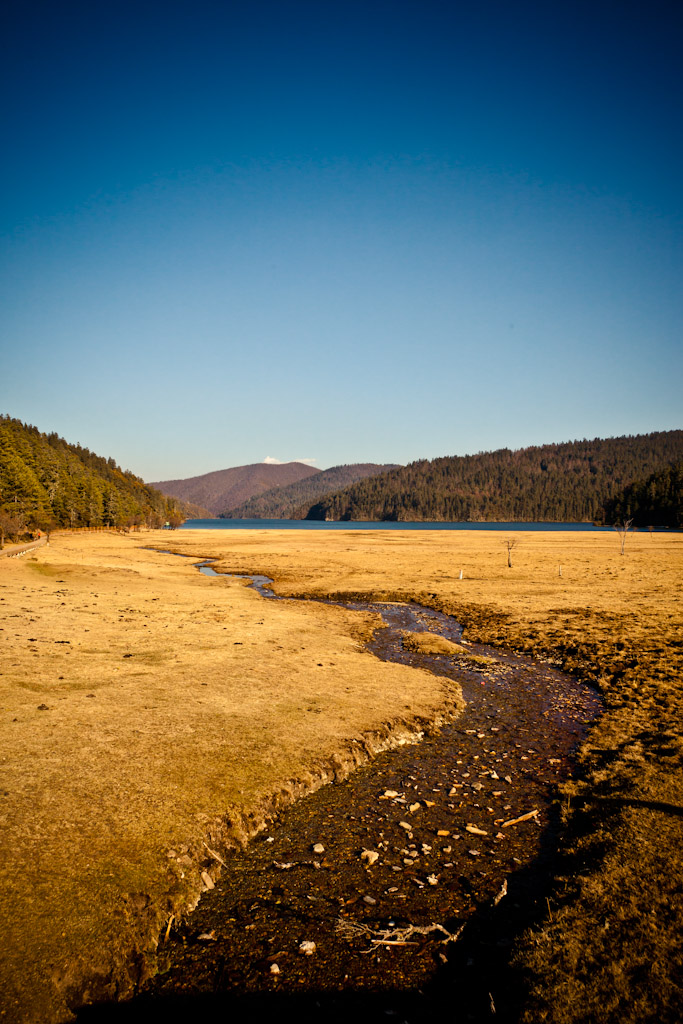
<point x="270" y="461"/>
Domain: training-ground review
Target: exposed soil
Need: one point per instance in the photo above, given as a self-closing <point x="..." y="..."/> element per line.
<point x="428" y="924"/>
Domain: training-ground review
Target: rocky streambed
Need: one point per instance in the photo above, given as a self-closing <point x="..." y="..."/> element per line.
<point x="397" y="893"/>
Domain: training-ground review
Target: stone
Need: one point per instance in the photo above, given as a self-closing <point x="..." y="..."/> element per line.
<point x="370" y="857"/>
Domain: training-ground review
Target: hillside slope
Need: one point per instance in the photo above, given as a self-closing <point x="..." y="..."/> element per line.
<point x="657" y="501"/>
<point x="46" y="481"/>
<point x="223" y="489"/>
<point x="569" y="482"/>
<point x="293" y="501"/>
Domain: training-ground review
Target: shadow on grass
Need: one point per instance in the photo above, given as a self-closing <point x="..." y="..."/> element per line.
<point x="650" y="805"/>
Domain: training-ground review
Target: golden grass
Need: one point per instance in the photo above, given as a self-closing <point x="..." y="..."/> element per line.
<point x="144" y="708"/>
<point x="206" y="699"/>
<point x="431" y="643"/>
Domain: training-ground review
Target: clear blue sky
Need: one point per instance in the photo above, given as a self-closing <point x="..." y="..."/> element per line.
<point x="344" y="231"/>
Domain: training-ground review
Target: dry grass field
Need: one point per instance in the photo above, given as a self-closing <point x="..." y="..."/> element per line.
<point x="146" y="708"/>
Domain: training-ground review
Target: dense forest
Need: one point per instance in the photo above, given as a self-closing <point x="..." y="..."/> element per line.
<point x="45" y="483"/>
<point x="572" y="482"/>
<point x="657" y="501"/>
<point x="294" y="500"/>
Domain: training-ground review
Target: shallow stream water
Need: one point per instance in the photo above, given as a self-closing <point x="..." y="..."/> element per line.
<point x="426" y="926"/>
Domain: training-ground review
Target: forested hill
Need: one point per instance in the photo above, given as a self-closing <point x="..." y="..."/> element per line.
<point x="570" y="482"/>
<point x="46" y="482"/>
<point x="293" y="502"/>
<point x="657" y="501"/>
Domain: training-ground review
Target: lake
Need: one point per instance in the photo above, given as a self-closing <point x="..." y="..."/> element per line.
<point x="315" y="524"/>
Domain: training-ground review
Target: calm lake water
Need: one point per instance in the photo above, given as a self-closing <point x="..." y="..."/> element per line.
<point x="313" y="524"/>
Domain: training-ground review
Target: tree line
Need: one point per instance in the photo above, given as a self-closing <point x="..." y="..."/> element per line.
<point x="579" y="481"/>
<point x="47" y="483"/>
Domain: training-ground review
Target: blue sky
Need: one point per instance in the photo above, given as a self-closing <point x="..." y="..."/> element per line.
<point x="349" y="232"/>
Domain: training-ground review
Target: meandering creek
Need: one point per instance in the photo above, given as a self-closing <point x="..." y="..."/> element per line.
<point x="464" y="826"/>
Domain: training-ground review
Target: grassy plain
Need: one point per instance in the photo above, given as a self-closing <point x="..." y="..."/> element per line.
<point x="172" y="701"/>
<point x="145" y="709"/>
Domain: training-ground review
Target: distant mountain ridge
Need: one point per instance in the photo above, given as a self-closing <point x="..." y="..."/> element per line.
<point x="294" y="501"/>
<point x="224" y="489"/>
<point x="570" y="482"/>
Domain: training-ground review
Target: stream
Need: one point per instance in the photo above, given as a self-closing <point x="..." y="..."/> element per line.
<point x="396" y="894"/>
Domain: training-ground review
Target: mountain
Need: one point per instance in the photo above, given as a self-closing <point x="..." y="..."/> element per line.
<point x="44" y="481"/>
<point x="293" y="502"/>
<point x="571" y="482"/>
<point x="224" y="489"/>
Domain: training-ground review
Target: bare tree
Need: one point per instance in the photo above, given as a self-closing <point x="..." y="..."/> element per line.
<point x="10" y="526"/>
<point x="510" y="543"/>
<point x="622" y="529"/>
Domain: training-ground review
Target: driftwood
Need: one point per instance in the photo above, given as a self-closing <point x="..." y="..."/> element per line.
<point x="392" y="936"/>
<point x="522" y="817"/>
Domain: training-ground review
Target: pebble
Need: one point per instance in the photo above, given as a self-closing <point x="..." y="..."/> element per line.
<point x="370" y="857"/>
<point x="274" y="969"/>
<point x="207" y="880"/>
<point x="318" y="848"/>
<point x="370" y="900"/>
<point x="307" y="947"/>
